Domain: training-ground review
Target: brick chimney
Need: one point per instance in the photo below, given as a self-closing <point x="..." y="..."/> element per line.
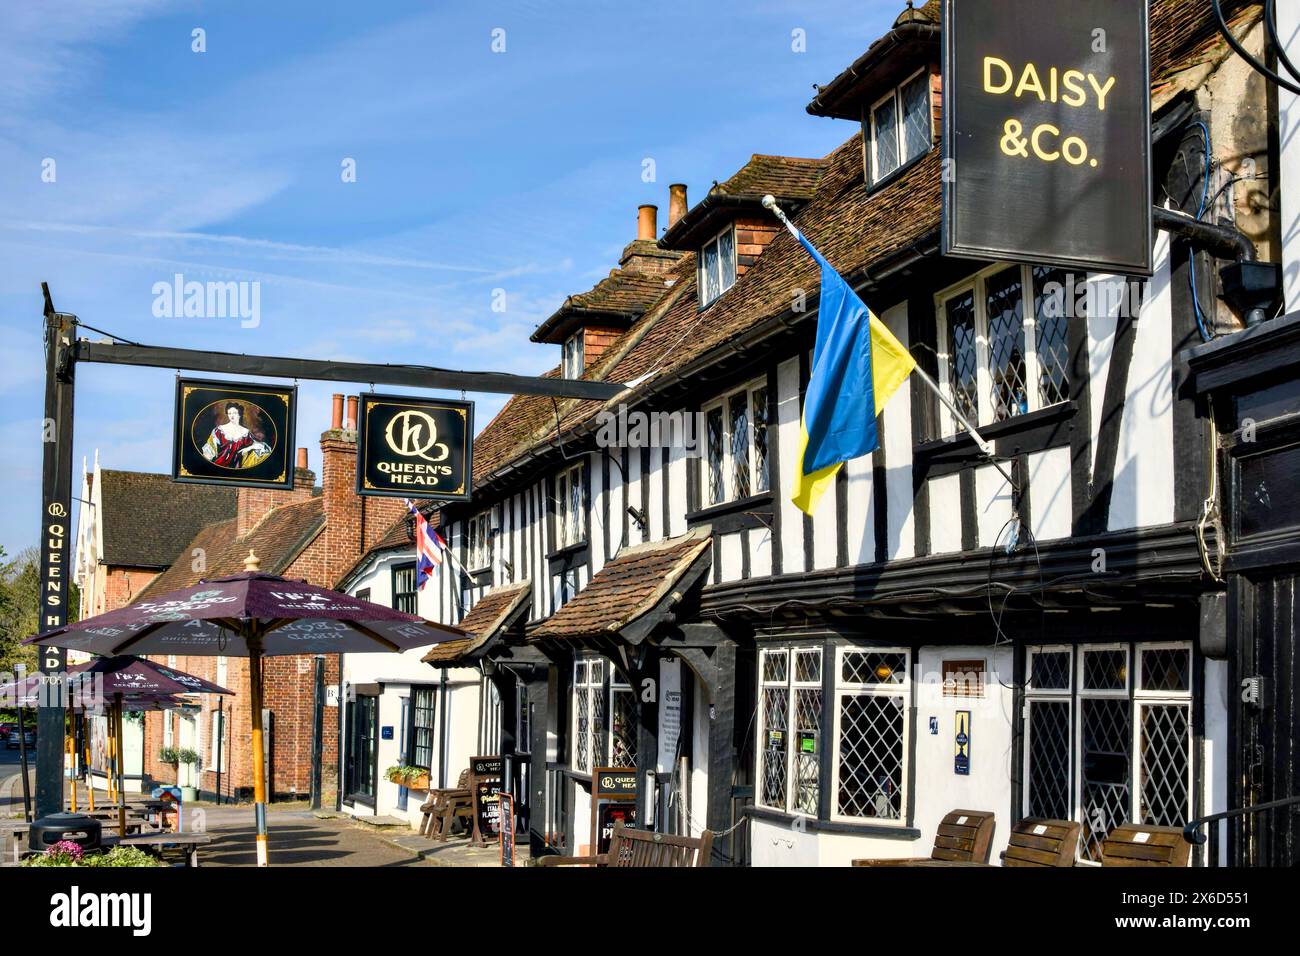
<point x="676" y="203"/>
<point x="643" y="253"/>
<point x="338" y="449"/>
<point x="254" y="504"/>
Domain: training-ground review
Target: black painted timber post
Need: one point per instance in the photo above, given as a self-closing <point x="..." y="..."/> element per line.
<point x="318" y="732"/>
<point x="55" y="545"/>
<point x="722" y="745"/>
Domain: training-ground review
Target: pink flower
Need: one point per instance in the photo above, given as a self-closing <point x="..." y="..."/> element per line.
<point x="66" y="847"/>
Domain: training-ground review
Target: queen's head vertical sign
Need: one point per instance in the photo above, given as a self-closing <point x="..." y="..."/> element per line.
<point x="1047" y="133"/>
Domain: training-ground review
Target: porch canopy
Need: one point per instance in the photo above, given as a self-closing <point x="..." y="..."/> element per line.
<point x="495" y="616"/>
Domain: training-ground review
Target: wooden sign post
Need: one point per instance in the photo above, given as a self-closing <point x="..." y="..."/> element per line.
<point x="613" y="799"/>
<point x="485" y="784"/>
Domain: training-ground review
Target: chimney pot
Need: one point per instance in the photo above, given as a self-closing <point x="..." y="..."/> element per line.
<point x="351" y="421"/>
<point x="647" y="221"/>
<point x="336" y="417"/>
<point x="676" y="203"/>
<point x="302" y="459"/>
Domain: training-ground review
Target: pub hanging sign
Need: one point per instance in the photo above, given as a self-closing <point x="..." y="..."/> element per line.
<point x="234" y="433"/>
<point x="414" y="447"/>
<point x="1047" y="132"/>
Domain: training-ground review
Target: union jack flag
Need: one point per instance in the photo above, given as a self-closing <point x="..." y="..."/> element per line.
<point x="429" y="547"/>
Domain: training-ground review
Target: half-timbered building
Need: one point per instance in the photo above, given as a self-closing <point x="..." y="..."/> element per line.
<point x="1039" y="634"/>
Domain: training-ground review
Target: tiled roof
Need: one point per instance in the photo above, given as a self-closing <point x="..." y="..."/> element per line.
<point x="619" y="298"/>
<point x="789" y="178"/>
<point x="147" y="519"/>
<point x="855" y="229"/>
<point x="490" y="613"/>
<point x="628" y="587"/>
<point x="277" y="539"/>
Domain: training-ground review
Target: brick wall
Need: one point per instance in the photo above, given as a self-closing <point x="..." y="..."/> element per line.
<point x="595" y="341"/>
<point x="752" y="236"/>
<point x="253" y="504"/>
<point x="116" y="587"/>
<point x="288" y="682"/>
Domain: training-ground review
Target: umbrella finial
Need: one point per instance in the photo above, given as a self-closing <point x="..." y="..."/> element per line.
<point x="252" y="562"/>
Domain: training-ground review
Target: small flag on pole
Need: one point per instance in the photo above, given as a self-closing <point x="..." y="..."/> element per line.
<point x="429" y="548"/>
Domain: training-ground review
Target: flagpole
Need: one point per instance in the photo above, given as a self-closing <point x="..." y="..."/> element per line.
<point x="769" y="203"/>
<point x="446" y="552"/>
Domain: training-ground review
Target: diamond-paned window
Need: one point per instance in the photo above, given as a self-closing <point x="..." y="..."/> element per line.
<point x="1105" y="768"/>
<point x="1051" y="323"/>
<point x="790" y="732"/>
<point x="1165" y="763"/>
<point x="1048" y="781"/>
<point x="736" y="442"/>
<point x="1105" y="669"/>
<point x="872" y="696"/>
<point x="1165" y="669"/>
<point x="872" y="741"/>
<point x="1004" y="306"/>
<point x="622" y="727"/>
<point x="1049" y="670"/>
<point x="963" y="355"/>
<point x="1003" y="344"/>
<point x="1095" y="771"/>
<point x="872" y="667"/>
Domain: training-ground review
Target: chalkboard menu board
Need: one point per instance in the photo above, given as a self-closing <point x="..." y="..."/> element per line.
<point x="507" y="833"/>
<point x="613" y="800"/>
<point x="485" y="789"/>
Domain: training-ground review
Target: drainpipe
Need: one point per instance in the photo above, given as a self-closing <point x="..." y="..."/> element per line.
<point x="442" y="742"/>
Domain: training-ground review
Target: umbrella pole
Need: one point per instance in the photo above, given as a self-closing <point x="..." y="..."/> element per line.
<point x="254" y="641"/>
<point x="121" y="795"/>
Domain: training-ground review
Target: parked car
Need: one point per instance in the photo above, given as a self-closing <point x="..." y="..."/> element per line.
<point x="6" y="729"/>
<point x="29" y="735"/>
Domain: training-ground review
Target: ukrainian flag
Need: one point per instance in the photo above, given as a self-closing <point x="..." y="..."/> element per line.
<point x="857" y="366"/>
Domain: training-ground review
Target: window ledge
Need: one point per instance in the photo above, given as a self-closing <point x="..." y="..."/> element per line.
<point x="816" y="825"/>
<point x="1013" y="436"/>
<point x="761" y="503"/>
<point x="567" y="551"/>
<point x="884" y="181"/>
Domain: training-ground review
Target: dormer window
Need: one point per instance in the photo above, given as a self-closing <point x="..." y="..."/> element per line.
<point x="573" y="355"/>
<point x="717" y="265"/>
<point x="897" y="127"/>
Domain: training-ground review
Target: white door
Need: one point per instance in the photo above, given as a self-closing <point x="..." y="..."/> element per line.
<point x="186" y="773"/>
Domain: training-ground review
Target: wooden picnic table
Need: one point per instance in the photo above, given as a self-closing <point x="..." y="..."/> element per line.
<point x="188" y="842"/>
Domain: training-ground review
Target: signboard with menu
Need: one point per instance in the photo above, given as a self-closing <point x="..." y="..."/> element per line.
<point x="613" y="800"/>
<point x="485" y="782"/>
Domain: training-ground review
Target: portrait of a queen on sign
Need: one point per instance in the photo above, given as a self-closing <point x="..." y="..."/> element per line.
<point x="234" y="433"/>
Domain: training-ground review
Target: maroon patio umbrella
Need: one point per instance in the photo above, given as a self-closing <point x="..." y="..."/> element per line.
<point x="122" y="683"/>
<point x="251" y="615"/>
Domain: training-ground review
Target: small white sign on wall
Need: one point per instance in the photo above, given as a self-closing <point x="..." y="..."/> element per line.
<point x="670" y="713"/>
<point x="331" y="695"/>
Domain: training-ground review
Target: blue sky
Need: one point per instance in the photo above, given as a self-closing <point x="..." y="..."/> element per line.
<point x="476" y="171"/>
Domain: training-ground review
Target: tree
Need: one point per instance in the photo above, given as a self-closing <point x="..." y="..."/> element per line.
<point x="20" y="581"/>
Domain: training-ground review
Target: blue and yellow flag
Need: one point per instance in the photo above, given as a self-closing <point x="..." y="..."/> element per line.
<point x="857" y="366"/>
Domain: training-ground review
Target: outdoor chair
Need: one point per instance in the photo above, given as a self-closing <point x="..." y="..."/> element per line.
<point x="1037" y="842"/>
<point x="1132" y="844"/>
<point x="637" y="849"/>
<point x="964" y="838"/>
<point x="445" y="806"/>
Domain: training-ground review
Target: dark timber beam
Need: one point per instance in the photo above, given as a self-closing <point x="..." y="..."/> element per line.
<point x="415" y="376"/>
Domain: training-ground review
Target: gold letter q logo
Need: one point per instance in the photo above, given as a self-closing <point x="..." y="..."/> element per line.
<point x="412" y="433"/>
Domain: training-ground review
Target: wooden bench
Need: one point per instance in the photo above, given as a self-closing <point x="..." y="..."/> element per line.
<point x="445" y="806"/>
<point x="964" y="837"/>
<point x="1132" y="844"/>
<point x="637" y="849"/>
<point x="1038" y="842"/>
